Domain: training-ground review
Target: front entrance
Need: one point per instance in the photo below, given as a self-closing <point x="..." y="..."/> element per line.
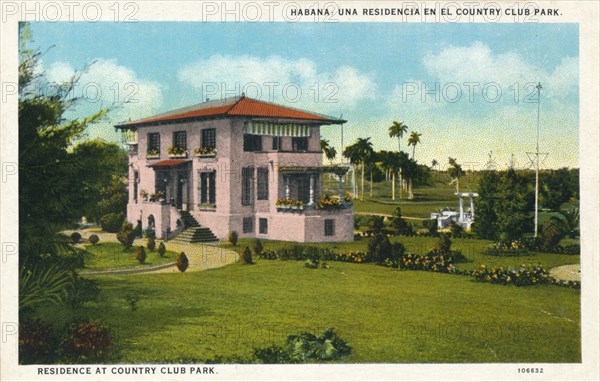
<point x="173" y="183"/>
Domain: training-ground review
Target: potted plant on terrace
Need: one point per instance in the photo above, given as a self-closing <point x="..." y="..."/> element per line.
<point x="177" y="152"/>
<point x="205" y="152"/>
<point x="329" y="202"/>
<point x="144" y="195"/>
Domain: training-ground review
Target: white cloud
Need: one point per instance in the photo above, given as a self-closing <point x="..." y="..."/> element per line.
<point x="105" y="83"/>
<point x="477" y="63"/>
<point x="279" y="79"/>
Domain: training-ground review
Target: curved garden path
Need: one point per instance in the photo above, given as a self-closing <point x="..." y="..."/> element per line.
<point x="201" y="256"/>
<point x="571" y="272"/>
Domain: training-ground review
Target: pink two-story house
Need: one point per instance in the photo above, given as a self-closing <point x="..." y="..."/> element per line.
<point x="235" y="164"/>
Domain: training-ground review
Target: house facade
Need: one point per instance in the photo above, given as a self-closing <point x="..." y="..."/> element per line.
<point x="236" y="164"/>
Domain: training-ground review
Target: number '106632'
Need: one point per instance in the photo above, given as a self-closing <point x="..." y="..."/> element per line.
<point x="530" y="370"/>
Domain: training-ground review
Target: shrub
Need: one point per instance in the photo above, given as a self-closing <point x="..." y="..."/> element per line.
<point x="431" y="225"/>
<point x="132" y="300"/>
<point x="357" y="221"/>
<point x="149" y="233"/>
<point x="182" y="262"/>
<point x="37" y="342"/>
<point x="232" y="237"/>
<point x="94" y="239"/>
<point x="443" y="244"/>
<point x="551" y="234"/>
<point x="151" y="243"/>
<point x="376" y="224"/>
<point x="75" y="237"/>
<point x="86" y="341"/>
<point x="523" y="276"/>
<point x="112" y="222"/>
<point x="257" y="247"/>
<point x="162" y="249"/>
<point x="506" y="248"/>
<point x="140" y="254"/>
<point x="379" y="248"/>
<point x="126" y="235"/>
<point x="81" y="291"/>
<point x="247" y="256"/>
<point x="401" y="227"/>
<point x="305" y="347"/>
<point x="456" y="231"/>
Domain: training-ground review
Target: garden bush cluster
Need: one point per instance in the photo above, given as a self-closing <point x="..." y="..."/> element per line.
<point x="78" y="342"/>
<point x="523" y="276"/>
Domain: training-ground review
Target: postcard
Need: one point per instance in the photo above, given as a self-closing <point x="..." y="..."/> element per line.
<point x="220" y="191"/>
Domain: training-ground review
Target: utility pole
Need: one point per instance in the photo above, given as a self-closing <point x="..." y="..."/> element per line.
<point x="537" y="164"/>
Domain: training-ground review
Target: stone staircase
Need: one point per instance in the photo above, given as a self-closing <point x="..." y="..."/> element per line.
<point x="193" y="232"/>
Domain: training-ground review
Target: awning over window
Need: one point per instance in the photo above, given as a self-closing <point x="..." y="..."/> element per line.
<point x="168" y="163"/>
<point x="276" y="128"/>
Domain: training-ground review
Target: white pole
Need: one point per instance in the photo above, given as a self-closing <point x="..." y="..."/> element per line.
<point x="537" y="165"/>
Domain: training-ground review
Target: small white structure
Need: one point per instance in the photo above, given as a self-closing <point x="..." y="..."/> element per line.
<point x="463" y="218"/>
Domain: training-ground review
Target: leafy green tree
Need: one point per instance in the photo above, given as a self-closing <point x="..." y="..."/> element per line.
<point x="397" y="130"/>
<point x="504" y="206"/>
<point x="455" y="171"/>
<point x="104" y="180"/>
<point x="555" y="188"/>
<point x="50" y="180"/>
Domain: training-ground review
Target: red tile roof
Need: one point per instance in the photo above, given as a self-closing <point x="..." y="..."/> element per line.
<point x="238" y="107"/>
<point x="169" y="163"/>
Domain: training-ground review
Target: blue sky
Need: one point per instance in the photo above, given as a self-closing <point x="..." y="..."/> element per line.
<point x="372" y="73"/>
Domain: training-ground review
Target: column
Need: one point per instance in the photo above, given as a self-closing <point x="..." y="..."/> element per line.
<point x="341" y="187"/>
<point x="472" y="206"/>
<point x="461" y="215"/>
<point x="286" y="181"/>
<point x="311" y="199"/>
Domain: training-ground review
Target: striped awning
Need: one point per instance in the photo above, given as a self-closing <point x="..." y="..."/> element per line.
<point x="276" y="128"/>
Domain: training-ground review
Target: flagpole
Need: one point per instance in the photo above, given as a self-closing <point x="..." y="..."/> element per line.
<point x="537" y="165"/>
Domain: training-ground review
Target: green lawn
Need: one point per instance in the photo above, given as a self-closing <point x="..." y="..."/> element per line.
<point x="104" y="256"/>
<point x="386" y="315"/>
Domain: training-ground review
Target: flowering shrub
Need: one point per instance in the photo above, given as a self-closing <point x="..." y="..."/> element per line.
<point x="524" y="275"/>
<point x="348" y="197"/>
<point x="37" y="342"/>
<point x="87" y="340"/>
<point x="507" y="248"/>
<point x="436" y="263"/>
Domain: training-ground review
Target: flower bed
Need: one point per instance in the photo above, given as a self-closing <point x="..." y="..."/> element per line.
<point x="515" y="248"/>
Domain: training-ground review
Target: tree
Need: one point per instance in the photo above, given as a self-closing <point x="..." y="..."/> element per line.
<point x="434" y="164"/>
<point x="50" y="180"/>
<point x="504" y="206"/>
<point x="397" y="130"/>
<point x="329" y="151"/>
<point x="455" y="171"/>
<point x="360" y="152"/>
<point x="414" y="140"/>
<point x="104" y="188"/>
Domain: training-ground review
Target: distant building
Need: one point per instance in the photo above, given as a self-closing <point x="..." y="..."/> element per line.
<point x="463" y="218"/>
<point x="236" y="164"/>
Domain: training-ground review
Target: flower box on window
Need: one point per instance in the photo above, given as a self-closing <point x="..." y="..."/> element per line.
<point x="329" y="202"/>
<point x="205" y="152"/>
<point x="152" y="154"/>
<point x="177" y="152"/>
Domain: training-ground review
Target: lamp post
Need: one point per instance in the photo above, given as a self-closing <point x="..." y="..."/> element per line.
<point x="537" y="164"/>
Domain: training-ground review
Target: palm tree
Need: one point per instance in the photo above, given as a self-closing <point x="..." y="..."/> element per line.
<point x="329" y="151"/>
<point x="434" y="163"/>
<point x="389" y="161"/>
<point x="455" y="172"/>
<point x="414" y="140"/>
<point x="361" y="152"/>
<point x="397" y="130"/>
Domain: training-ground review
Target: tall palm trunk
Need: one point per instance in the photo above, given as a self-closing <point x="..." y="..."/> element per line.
<point x="400" y="183"/>
<point x="362" y="182"/>
<point x="371" y="189"/>
<point x="393" y="185"/>
<point x="410" y="189"/>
